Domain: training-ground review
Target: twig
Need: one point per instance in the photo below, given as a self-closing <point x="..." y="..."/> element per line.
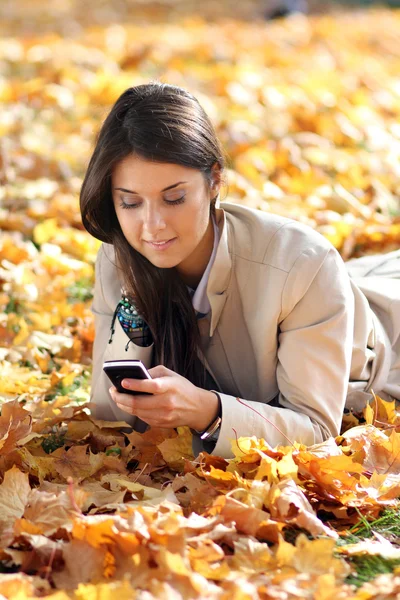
<point x="48" y="568"/>
<point x="386" y="425"/>
<point x="70" y="482"/>
<point x="265" y="419"/>
<point x="141" y="473"/>
<point x="376" y="407"/>
<point x="238" y="489"/>
<point x="237" y="441"/>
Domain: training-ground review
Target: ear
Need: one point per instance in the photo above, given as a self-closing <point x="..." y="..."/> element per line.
<point x="216" y="179"/>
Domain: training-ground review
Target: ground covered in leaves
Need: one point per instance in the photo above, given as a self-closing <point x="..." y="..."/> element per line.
<point x="308" y="110"/>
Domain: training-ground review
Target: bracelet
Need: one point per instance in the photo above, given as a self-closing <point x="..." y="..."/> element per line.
<point x="212" y="429"/>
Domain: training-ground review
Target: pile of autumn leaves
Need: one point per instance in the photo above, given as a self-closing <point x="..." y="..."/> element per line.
<point x="88" y="510"/>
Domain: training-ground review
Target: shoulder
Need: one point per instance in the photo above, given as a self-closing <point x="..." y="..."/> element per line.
<point x="270" y="239"/>
<point x="107" y="277"/>
<point x="105" y="260"/>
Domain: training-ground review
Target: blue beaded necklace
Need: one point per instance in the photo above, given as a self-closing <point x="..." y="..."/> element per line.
<point x="130" y="320"/>
<point x="128" y="316"/>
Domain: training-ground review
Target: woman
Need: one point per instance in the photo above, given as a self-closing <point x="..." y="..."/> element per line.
<point x="247" y="321"/>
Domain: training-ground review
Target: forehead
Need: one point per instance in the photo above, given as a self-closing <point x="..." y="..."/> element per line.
<point x="137" y="174"/>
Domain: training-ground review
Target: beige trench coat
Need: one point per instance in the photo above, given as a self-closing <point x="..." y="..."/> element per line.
<point x="289" y="332"/>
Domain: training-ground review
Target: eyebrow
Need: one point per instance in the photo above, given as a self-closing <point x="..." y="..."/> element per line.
<point x="164" y="190"/>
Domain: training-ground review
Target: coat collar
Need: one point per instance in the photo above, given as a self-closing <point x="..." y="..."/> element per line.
<point x="221" y="271"/>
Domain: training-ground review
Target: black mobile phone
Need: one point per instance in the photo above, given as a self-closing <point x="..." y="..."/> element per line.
<point x="117" y="370"/>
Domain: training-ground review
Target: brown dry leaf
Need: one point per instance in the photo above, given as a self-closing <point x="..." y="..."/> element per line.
<point x="247" y="519"/>
<point x="287" y="502"/>
<point x="97" y="495"/>
<point x="88" y="569"/>
<point x="145" y="446"/>
<point x="41" y="467"/>
<point x="14" y="494"/>
<point x="50" y="511"/>
<point x="79" y="431"/>
<point x="15" y="424"/>
<point x="42" y="552"/>
<point x="197" y="494"/>
<point x="48" y="415"/>
<point x="139" y="491"/>
<point x="76" y="463"/>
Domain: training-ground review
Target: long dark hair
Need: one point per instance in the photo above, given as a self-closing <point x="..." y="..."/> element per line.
<point x="163" y="123"/>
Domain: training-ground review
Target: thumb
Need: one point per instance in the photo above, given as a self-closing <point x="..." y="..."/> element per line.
<point x="160" y="371"/>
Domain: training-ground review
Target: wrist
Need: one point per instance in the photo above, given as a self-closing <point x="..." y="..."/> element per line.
<point x="210" y="407"/>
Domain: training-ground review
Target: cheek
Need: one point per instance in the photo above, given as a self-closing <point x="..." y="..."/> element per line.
<point x="129" y="228"/>
<point x="197" y="218"/>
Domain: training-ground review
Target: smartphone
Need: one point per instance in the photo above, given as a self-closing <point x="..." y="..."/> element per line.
<point x="117" y="370"/>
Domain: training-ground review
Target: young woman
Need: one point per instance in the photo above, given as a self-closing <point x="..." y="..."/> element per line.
<point x="248" y="322"/>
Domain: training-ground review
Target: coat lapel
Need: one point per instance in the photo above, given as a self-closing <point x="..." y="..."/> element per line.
<point x="221" y="271"/>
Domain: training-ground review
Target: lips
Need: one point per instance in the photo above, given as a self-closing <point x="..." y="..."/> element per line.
<point x="161" y="245"/>
<point x="160" y="242"/>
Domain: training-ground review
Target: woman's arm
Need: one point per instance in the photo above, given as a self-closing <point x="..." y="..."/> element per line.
<point x="314" y="358"/>
<point x="103" y="306"/>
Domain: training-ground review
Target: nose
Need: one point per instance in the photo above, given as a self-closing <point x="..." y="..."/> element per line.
<point x="153" y="220"/>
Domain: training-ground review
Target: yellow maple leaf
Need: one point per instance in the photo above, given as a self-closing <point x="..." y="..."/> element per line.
<point x="176" y="450"/>
<point x="369" y="415"/>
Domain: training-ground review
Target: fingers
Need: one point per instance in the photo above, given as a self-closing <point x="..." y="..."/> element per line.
<point x="151" y="386"/>
<point x="150" y="412"/>
<point x="133" y="403"/>
<point x="157" y="385"/>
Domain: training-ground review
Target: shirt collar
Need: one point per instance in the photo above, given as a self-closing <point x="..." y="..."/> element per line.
<point x="219" y="277"/>
<point x="200" y="300"/>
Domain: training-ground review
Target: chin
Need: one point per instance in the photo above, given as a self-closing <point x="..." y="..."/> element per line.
<point x="163" y="263"/>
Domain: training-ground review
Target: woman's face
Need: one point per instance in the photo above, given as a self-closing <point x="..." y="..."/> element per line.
<point x="164" y="213"/>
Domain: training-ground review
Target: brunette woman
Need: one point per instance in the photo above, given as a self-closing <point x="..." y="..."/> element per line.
<point x="249" y="323"/>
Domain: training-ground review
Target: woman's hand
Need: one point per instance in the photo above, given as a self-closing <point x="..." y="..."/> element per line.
<point x="175" y="401"/>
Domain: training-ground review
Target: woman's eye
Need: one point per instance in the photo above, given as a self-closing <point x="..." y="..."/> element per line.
<point x="176" y="201"/>
<point x="124" y="205"/>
